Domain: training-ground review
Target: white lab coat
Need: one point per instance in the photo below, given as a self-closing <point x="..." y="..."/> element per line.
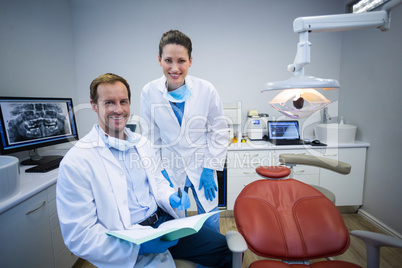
<point x="202" y="139"/>
<point x="92" y="199"/>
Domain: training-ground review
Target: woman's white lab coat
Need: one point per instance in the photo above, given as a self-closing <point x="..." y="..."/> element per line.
<point x="202" y="139"/>
<point x="92" y="199"/>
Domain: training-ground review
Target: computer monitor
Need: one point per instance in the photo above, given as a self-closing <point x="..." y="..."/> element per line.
<point x="283" y="130"/>
<point x="31" y="123"/>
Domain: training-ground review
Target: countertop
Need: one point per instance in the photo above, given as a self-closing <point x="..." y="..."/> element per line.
<point x="30" y="184"/>
<point x="265" y="145"/>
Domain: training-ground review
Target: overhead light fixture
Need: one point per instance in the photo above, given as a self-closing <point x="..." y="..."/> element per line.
<point x="306" y="85"/>
<point x="299" y="103"/>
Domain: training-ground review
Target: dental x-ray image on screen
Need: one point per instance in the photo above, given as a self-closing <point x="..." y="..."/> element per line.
<point x="32" y="121"/>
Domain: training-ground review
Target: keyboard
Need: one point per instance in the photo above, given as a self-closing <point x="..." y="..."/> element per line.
<point x="45" y="167"/>
<point x="288" y="142"/>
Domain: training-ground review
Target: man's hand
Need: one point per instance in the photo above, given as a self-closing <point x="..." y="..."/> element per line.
<point x="180" y="203"/>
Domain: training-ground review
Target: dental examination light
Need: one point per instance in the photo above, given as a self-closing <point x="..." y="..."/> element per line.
<point x="300" y="98"/>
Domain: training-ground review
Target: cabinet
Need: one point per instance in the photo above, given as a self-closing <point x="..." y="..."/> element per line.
<point x="348" y="189"/>
<point x="30" y="234"/>
<point x="63" y="258"/>
<point x="24" y="234"/>
<point x="241" y="167"/>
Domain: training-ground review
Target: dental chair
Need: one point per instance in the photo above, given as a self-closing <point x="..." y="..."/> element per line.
<point x="291" y="222"/>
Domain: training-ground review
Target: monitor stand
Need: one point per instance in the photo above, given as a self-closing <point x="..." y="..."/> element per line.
<point x="36" y="159"/>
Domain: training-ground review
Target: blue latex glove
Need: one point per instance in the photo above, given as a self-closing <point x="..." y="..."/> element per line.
<point x="164" y="173"/>
<point x="207" y="180"/>
<point x="156" y="245"/>
<point x="180" y="203"/>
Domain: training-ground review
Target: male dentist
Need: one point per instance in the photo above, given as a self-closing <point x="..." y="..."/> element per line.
<point x="108" y="181"/>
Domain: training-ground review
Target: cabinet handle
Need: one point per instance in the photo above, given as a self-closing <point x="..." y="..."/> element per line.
<point x="330" y="154"/>
<point x="252" y="155"/>
<point x="299" y="171"/>
<point x="249" y="172"/>
<point x="32" y="211"/>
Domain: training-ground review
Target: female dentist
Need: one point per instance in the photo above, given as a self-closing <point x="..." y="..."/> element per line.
<point x="183" y="118"/>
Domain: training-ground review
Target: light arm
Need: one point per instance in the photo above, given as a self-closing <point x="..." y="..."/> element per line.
<point x="341" y="22"/>
<point x="330" y="23"/>
<point x="302" y="55"/>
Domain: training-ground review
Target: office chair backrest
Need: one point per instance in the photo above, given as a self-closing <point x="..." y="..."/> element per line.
<point x="289" y="220"/>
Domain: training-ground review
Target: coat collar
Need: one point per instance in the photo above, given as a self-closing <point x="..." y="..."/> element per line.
<point x="93" y="139"/>
<point x="161" y="83"/>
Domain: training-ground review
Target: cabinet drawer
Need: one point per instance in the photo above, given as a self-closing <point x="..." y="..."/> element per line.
<point x="52" y="208"/>
<point x="249" y="159"/>
<point x="249" y="154"/>
<point x="348" y="189"/>
<point x="332" y="153"/>
<point x="236" y="184"/>
<point x="297" y="151"/>
<point x="231" y="200"/>
<point x="58" y="242"/>
<point x="241" y="172"/>
<point x="305" y="170"/>
<point x="51" y="193"/>
<point x="25" y="234"/>
<point x="54" y="221"/>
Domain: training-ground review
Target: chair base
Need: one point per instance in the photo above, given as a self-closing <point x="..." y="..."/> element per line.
<point x="323" y="264"/>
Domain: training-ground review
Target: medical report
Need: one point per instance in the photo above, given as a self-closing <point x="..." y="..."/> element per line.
<point x="170" y="230"/>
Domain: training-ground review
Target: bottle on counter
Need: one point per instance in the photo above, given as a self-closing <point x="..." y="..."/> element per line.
<point x="244" y="138"/>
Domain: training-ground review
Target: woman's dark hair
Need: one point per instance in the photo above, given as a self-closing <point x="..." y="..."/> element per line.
<point x="175" y="37"/>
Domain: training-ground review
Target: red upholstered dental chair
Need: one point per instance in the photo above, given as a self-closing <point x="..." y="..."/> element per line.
<point x="294" y="222"/>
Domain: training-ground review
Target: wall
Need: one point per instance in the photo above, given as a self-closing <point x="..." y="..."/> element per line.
<point x="370" y="98"/>
<point x="238" y="45"/>
<point x="37" y="49"/>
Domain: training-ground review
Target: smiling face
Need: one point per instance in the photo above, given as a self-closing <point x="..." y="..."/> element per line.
<point x="175" y="62"/>
<point x="113" y="108"/>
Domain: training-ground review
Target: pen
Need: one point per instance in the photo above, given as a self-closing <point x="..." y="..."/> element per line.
<point x="179" y="192"/>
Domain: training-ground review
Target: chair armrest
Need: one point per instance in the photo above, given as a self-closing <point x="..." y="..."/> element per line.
<point x="373" y="243"/>
<point x="318" y="161"/>
<point x="237" y="245"/>
<point x="376" y="239"/>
